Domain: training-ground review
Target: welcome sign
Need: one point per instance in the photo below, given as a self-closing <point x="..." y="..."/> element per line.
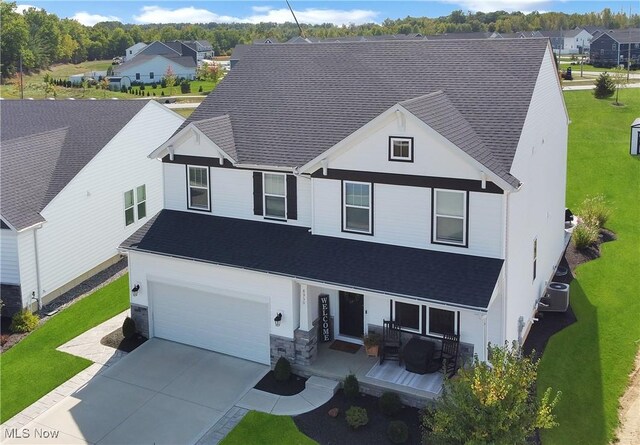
<point x="325" y="319"/>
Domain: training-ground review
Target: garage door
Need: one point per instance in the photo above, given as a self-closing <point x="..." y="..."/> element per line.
<point x="221" y="323"/>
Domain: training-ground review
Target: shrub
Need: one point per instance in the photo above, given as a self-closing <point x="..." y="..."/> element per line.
<point x="154" y="85"/>
<point x="357" y="417"/>
<point x="185" y="87"/>
<point x="24" y="321"/>
<point x="128" y="328"/>
<point x="163" y="83"/>
<point x="351" y="386"/>
<point x="141" y="87"/>
<point x="148" y="94"/>
<point x="200" y="89"/>
<point x="595" y="211"/>
<point x="605" y="87"/>
<point x="398" y="431"/>
<point x="585" y="235"/>
<point x="491" y="402"/>
<point x="282" y="371"/>
<point x="161" y="93"/>
<point x="390" y="404"/>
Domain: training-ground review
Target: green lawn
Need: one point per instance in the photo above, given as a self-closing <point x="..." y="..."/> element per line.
<point x="184" y="112"/>
<point x="590" y="361"/>
<point x="207" y="87"/>
<point x="266" y="429"/>
<point x="33" y="367"/>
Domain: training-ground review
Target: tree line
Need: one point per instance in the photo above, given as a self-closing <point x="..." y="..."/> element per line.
<point x="43" y="39"/>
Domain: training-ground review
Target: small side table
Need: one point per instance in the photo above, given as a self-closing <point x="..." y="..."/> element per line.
<point x="417" y="355"/>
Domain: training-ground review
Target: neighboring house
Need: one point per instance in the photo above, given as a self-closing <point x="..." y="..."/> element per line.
<point x="152" y="68"/>
<point x="616" y="47"/>
<point x="556" y="38"/>
<point x="576" y="41"/>
<point x="76" y="182"/>
<point x="203" y="48"/>
<point x="131" y="52"/>
<point x="369" y="174"/>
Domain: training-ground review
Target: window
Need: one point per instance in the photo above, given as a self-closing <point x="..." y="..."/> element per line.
<point x="151" y="75"/>
<point x="137" y="76"/>
<point x="130" y="51"/>
<point x="408" y="315"/>
<point x="141" y="201"/>
<point x="613" y="46"/>
<point x="198" y="188"/>
<point x="535" y="257"/>
<point x="357" y="207"/>
<point x="129" y="211"/>
<point x="275" y="196"/>
<point x="450" y="217"/>
<point x="400" y="149"/>
<point x="441" y="321"/>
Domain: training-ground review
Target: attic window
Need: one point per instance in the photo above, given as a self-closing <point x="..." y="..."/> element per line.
<point x="400" y="149"/>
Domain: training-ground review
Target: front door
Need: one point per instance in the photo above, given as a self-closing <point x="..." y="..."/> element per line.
<point x="351" y="314"/>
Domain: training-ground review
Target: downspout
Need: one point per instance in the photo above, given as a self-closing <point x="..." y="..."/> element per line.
<point x="506" y="262"/>
<point x="37" y="261"/>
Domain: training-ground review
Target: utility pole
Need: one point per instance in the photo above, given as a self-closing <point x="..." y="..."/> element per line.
<point x="629" y="45"/>
<point x="21" y="86"/>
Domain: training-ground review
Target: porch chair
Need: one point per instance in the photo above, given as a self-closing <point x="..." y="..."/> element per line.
<point x="391" y="342"/>
<point x="447" y="357"/>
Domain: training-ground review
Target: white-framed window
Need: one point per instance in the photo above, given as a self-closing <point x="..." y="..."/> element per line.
<point x="137" y="76"/>
<point x="407" y="315"/>
<point x="401" y="149"/>
<point x="274" y="195"/>
<point x="151" y="75"/>
<point x="141" y="201"/>
<point x="356" y="214"/>
<point x="450" y="217"/>
<point x="535" y="258"/>
<point x="129" y="208"/>
<point x="135" y="203"/>
<point x="441" y="321"/>
<point x="198" y="182"/>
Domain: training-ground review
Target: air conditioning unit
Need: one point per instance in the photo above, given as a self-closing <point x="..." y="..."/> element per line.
<point x="556" y="299"/>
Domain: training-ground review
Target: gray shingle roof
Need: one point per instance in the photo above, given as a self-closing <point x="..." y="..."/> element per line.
<point x="629" y="35"/>
<point x="220" y="131"/>
<point x="44" y="144"/>
<point x="463" y="280"/>
<point x="437" y="111"/>
<point x="185" y="61"/>
<point x="290" y="103"/>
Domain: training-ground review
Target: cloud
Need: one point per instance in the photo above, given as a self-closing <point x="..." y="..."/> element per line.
<point x="159" y="14"/>
<point x="22" y="8"/>
<point x="91" y="19"/>
<point x="499" y="5"/>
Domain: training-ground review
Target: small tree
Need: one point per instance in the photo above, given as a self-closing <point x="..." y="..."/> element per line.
<point x="604" y="86"/>
<point x="169" y="79"/>
<point x="491" y="403"/>
<point x="620" y="81"/>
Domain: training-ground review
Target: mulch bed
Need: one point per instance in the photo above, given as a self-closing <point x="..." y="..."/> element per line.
<point x="291" y="387"/>
<point x="326" y="430"/>
<point x="116" y="340"/>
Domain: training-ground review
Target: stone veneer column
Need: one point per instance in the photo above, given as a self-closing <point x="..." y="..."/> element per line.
<point x="140" y="314"/>
<point x="306" y="344"/>
<point x="282" y="347"/>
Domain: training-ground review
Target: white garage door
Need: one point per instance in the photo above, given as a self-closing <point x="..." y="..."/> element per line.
<point x="221" y="323"/>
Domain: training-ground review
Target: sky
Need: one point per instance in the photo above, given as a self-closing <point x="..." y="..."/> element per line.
<point x="90" y="12"/>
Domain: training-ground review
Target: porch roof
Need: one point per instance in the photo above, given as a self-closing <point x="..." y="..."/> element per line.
<point x="461" y="280"/>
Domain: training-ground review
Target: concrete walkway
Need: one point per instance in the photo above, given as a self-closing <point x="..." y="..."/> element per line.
<point x="87" y="345"/>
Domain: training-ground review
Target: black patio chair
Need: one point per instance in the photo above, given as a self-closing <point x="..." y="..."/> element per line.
<point x="391" y="342"/>
<point x="447" y="357"/>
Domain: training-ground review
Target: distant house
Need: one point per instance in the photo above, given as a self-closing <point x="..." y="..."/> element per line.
<point x="203" y="48"/>
<point x="556" y="38"/>
<point x="131" y="52"/>
<point x="152" y="68"/>
<point x="576" y="41"/>
<point x="616" y="47"/>
<point x="75" y="182"/>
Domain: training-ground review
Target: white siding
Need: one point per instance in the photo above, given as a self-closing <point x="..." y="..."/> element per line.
<point x="85" y="221"/>
<point x="495" y="318"/>
<point x="402" y="216"/>
<point x="253" y="286"/>
<point x="158" y="66"/>
<point x="432" y="157"/>
<point x="9" y="270"/>
<point x="27" y="266"/>
<point x="175" y="183"/>
<point x="537" y="209"/>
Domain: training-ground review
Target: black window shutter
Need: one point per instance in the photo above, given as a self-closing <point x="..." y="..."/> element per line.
<point x="257" y="193"/>
<point x="292" y="197"/>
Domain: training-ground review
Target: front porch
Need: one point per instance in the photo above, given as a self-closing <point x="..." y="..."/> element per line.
<point x="414" y="389"/>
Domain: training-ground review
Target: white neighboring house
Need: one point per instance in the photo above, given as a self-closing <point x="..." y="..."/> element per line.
<point x="133" y="50"/>
<point x="152" y="68"/>
<point x="432" y="197"/>
<point x="76" y="182"/>
<point x="576" y="41"/>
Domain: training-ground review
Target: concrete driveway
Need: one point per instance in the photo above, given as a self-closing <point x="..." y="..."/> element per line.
<point x="161" y="393"/>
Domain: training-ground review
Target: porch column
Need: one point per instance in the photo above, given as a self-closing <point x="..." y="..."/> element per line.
<point x="306" y="323"/>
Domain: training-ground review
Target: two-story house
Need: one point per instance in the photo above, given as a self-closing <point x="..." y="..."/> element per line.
<point x="616" y="47"/>
<point x="372" y="175"/>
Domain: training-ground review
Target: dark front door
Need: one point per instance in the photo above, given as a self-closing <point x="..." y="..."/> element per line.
<point x="351" y="314"/>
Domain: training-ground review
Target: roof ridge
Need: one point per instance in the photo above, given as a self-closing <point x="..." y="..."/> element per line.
<point x="424" y="96"/>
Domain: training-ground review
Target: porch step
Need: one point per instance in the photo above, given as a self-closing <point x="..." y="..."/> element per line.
<point x="323" y="384"/>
